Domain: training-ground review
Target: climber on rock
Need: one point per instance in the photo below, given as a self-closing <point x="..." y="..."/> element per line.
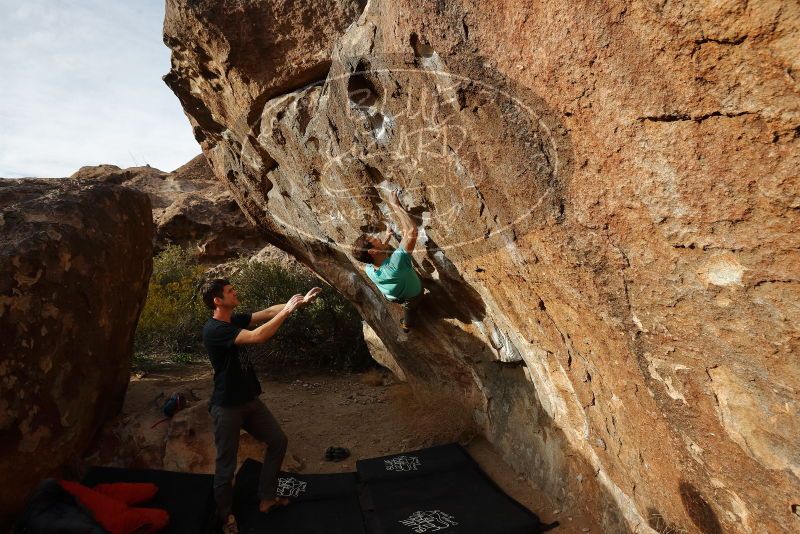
<point x="392" y="270"/>
<point x="234" y="402"/>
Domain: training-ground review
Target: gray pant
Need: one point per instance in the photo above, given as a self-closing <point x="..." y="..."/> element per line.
<point x="259" y="422"/>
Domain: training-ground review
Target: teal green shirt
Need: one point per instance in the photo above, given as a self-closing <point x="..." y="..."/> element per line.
<point x="396" y="277"/>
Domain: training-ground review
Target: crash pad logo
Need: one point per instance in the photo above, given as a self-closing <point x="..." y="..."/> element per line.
<point x="402" y="463"/>
<point x="290" y="487"/>
<point x="429" y="521"/>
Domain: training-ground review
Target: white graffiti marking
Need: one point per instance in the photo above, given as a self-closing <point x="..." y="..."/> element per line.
<point x="429" y="521"/>
<point x="290" y="487"/>
<point x="402" y="463"/>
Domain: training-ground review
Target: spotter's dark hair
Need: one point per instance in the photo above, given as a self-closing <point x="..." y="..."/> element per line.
<point x="212" y="289"/>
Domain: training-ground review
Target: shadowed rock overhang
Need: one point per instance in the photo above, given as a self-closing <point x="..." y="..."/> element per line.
<point x="608" y="205"/>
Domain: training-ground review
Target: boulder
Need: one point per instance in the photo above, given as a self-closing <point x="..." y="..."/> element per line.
<point x="161" y="187"/>
<point x="608" y="203"/>
<point x="190" y="441"/>
<point x="190" y="444"/>
<point x="380" y="353"/>
<point x="76" y="258"/>
<point x="190" y="208"/>
<point x="234" y="56"/>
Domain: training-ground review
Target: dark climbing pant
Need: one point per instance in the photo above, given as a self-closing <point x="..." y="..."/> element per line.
<point x="409" y="309"/>
<point x="259" y="422"/>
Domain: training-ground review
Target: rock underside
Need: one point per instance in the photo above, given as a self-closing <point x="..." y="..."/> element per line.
<point x="75" y="261"/>
<point x="608" y="201"/>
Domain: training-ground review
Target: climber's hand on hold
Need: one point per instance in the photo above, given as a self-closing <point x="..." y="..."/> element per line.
<point x="407" y="225"/>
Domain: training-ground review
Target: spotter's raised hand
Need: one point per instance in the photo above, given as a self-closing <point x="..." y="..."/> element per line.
<point x="311" y="295"/>
<point x="293" y="303"/>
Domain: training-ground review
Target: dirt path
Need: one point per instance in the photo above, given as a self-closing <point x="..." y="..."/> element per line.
<point x="369" y="413"/>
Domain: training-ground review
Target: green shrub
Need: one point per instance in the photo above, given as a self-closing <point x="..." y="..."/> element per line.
<point x="173" y="315"/>
<point x="325" y="333"/>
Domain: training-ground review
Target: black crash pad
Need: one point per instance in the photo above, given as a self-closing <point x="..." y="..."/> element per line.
<point x="460" y="501"/>
<point x="414" y="463"/>
<point x="439" y="490"/>
<point x="320" y="504"/>
<point x="187" y="497"/>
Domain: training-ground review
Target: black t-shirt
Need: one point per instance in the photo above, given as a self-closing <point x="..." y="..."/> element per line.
<point x="235" y="380"/>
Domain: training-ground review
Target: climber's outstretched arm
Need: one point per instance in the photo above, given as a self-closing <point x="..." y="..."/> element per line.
<point x="407" y="225"/>
<point x="387" y="235"/>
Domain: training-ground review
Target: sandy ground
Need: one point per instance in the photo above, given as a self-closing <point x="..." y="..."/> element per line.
<point x="369" y="413"/>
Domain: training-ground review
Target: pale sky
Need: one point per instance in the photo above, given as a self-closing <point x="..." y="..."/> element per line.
<point x="80" y="84"/>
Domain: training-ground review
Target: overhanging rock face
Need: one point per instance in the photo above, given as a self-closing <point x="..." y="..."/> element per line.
<point x="609" y="205"/>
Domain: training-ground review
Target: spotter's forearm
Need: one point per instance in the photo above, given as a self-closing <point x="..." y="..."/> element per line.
<point x="266" y="314"/>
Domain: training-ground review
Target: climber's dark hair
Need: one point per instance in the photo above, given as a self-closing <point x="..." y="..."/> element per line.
<point x="212" y="289"/>
<point x="361" y="248"/>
